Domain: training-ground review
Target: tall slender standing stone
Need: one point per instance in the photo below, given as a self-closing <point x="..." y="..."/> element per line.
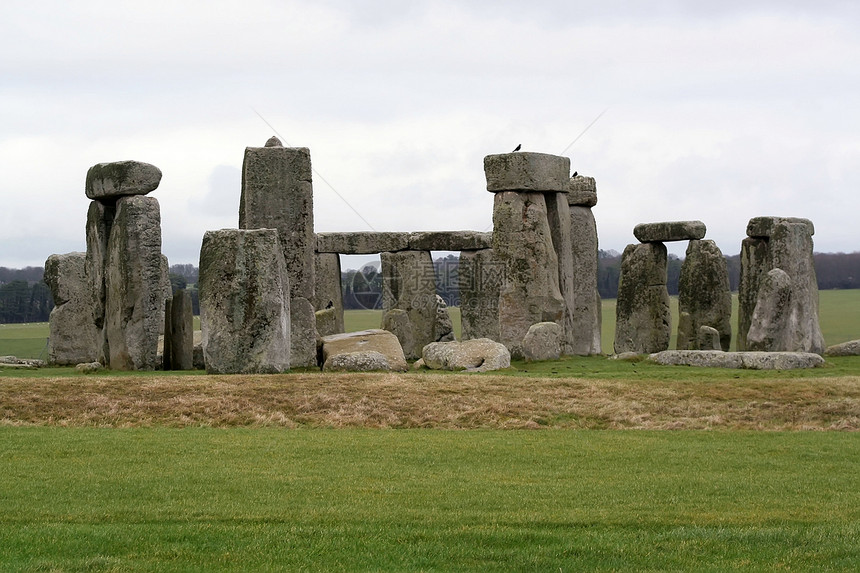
<point x="642" y="319"/>
<point x="704" y="296"/>
<point x="329" y="292"/>
<point x="134" y="291"/>
<point x="99" y="223"/>
<point x="181" y="330"/>
<point x="277" y="193"/>
<point x="587" y="319"/>
<point x="479" y="279"/>
<point x="558" y="215"/>
<point x="74" y="337"/>
<point x="755" y="264"/>
<point x="409" y="284"/>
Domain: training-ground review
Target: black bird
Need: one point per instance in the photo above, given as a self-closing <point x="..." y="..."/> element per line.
<point x="517" y="148"/>
<point x="330" y="304"/>
<point x="575" y="173"/>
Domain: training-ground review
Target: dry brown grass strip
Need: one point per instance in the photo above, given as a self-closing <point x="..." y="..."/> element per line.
<point x="429" y="401"/>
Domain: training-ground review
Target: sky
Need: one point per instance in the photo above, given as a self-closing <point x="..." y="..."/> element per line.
<point x="712" y="111"/>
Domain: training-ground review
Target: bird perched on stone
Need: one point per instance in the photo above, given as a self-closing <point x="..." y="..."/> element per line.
<point x="517" y="148"/>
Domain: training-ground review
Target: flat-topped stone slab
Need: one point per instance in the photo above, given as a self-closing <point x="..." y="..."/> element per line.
<point x="746" y="360"/>
<point x="360" y="344"/>
<point x="582" y="191"/>
<point x="669" y="231"/>
<point x="763" y="227"/>
<point x="527" y="171"/>
<point x="121" y="178"/>
<point x="362" y="242"/>
<point x="450" y="241"/>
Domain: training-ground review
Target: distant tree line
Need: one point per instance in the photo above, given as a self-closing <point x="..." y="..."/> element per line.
<point x="24" y="296"/>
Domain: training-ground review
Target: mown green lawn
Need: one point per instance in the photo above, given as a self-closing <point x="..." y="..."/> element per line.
<point x="363" y="500"/>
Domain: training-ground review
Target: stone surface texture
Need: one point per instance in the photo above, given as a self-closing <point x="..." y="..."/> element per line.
<point x="756" y="261"/>
<point x="480" y="279"/>
<point x="476" y="355"/>
<point x="409" y="283"/>
<point x="121" y="178"/>
<point x="73" y="334"/>
<point x="522" y="242"/>
<point x="527" y="171"/>
<point x="449" y="241"/>
<point x="542" y="342"/>
<point x="134" y="297"/>
<point x="709" y="339"/>
<point x="181" y="330"/>
<point x="327" y="322"/>
<point x="397" y="322"/>
<point x="358" y="361"/>
<point x="362" y="242"/>
<point x="373" y="340"/>
<point x="99" y="223"/>
<point x="746" y="360"/>
<point x="764" y="227"/>
<point x="850" y="348"/>
<point x="582" y="191"/>
<point x="558" y="216"/>
<point x="244" y="302"/>
<point x="587" y="320"/>
<point x="443" y="330"/>
<point x="328" y="294"/>
<point x="704" y="295"/>
<point x="669" y="231"/>
<point x="643" y="322"/>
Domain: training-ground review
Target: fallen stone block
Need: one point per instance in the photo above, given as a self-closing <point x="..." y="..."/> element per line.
<point x="746" y="360"/>
<point x="359" y="361"/>
<point x="376" y="340"/>
<point x="850" y="348"/>
<point x="476" y="355"/>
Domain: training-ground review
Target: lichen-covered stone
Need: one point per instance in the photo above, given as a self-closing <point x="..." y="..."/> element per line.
<point x="755" y="264"/>
<point x="244" y="302"/>
<point x="709" y="338"/>
<point x="542" y="342"/>
<point x="478" y="355"/>
<point x="643" y="322"/>
<point x="669" y="231"/>
<point x="764" y="227"/>
<point x="522" y="242"/>
<point x="704" y="296"/>
<point x="527" y="171"/>
<point x="587" y="320"/>
<point x="121" y="178"/>
<point x="480" y="279"/>
<point x="328" y="294"/>
<point x="582" y="192"/>
<point x="409" y="283"/>
<point x="361" y="243"/>
<point x="373" y="340"/>
<point x="134" y="297"/>
<point x="326" y="322"/>
<point x="358" y="361"/>
<point x="770" y="320"/>
<point x="74" y="337"/>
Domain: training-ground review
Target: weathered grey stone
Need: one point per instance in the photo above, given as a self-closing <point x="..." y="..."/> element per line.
<point x="443" y="330"/>
<point x="558" y="216"/>
<point x="763" y="227"/>
<point x="755" y="264"/>
<point x="327" y="322"/>
<point x="396" y="321"/>
<point x="522" y="242"/>
<point x="449" y="241"/>
<point x="88" y="367"/>
<point x="643" y="322"/>
<point x="747" y="360"/>
<point x="376" y="340"/>
<point x="166" y="287"/>
<point x="709" y="338"/>
<point x="769" y="324"/>
<point x="480" y="279"/>
<point x="165" y="342"/>
<point x="583" y="191"/>
<point x="587" y="321"/>
<point x="121" y="178"/>
<point x="409" y="283"/>
<point x="669" y="231"/>
<point x="303" y="333"/>
<point x="244" y="302"/>
<point x="358" y="361"/>
<point x="181" y="328"/>
<point x="361" y="243"/>
<point x="134" y="304"/>
<point x="527" y="171"/>
<point x="478" y="355"/>
<point x="74" y="336"/>
<point x="328" y="294"/>
<point x="99" y="222"/>
<point x="850" y="348"/>
<point x="704" y="295"/>
<point x="542" y="342"/>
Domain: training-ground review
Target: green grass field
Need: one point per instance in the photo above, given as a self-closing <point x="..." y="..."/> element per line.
<point x="427" y="500"/>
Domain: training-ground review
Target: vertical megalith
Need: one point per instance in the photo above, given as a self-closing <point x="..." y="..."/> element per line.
<point x="409" y="284"/>
<point x="244" y="302"/>
<point x="99" y="223"/>
<point x="167" y="337"/>
<point x="755" y="264"/>
<point x="642" y="322"/>
<point x="181" y="329"/>
<point x="583" y="231"/>
<point x="73" y="335"/>
<point x="558" y="216"/>
<point x="479" y="279"/>
<point x="704" y="295"/>
<point x="133" y="284"/>
<point x="769" y="326"/>
<point x="277" y="193"/>
<point x="328" y="293"/>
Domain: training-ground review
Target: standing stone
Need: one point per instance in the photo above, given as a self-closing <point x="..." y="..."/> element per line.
<point x="166" y="362"/>
<point x="326" y="322"/>
<point x="396" y="321"/>
<point x="277" y="193"/>
<point x="443" y="329"/>
<point x="244" y="302"/>
<point x="479" y="279"/>
<point x="709" y="339"/>
<point x="166" y="287"/>
<point x="522" y="242"/>
<point x="328" y="293"/>
<point x="181" y="330"/>
<point x="769" y="325"/>
<point x="558" y="216"/>
<point x="99" y="223"/>
<point x="74" y="337"/>
<point x="643" y="322"/>
<point x="409" y="283"/>
<point x="134" y="305"/>
<point x="543" y="341"/>
<point x="755" y="264"/>
<point x="587" y="320"/>
<point x="704" y="295"/>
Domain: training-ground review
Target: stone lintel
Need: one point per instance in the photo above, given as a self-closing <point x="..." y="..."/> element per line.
<point x="369" y="243"/>
<point x="450" y="241"/>
<point x="763" y="227"/>
<point x="669" y="231"/>
<point x="527" y="171"/>
<point x="121" y="178"/>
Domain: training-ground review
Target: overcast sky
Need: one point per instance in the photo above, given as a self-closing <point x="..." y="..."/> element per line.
<point x="717" y="111"/>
